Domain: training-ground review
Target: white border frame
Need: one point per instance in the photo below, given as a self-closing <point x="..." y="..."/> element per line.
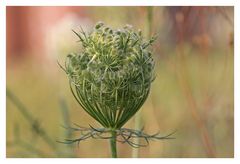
<point x="119" y="2"/>
<point x="4" y="3"/>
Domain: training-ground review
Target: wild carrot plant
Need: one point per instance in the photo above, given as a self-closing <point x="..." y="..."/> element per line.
<point x="111" y="79"/>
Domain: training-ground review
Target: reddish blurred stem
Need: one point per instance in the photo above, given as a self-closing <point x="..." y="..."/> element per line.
<point x="182" y="77"/>
<point x="181" y="29"/>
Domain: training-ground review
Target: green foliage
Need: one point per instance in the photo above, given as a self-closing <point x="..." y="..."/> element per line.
<point x="111" y="77"/>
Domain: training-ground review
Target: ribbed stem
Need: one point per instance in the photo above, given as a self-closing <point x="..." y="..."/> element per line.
<point x="113" y="144"/>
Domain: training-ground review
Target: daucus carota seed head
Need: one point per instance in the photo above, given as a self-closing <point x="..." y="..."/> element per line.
<point x="112" y="75"/>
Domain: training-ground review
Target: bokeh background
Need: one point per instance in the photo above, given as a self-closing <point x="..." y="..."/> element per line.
<point x="192" y="93"/>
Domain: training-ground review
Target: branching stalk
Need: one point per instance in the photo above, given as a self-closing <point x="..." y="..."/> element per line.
<point x="32" y="121"/>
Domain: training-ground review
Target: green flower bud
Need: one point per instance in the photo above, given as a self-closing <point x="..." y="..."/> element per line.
<point x="98" y="25"/>
<point x="112" y="75"/>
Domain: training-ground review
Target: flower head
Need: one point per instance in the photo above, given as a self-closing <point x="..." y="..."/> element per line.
<point x="111" y="76"/>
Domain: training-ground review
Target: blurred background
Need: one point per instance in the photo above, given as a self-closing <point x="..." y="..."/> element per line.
<point x="192" y="93"/>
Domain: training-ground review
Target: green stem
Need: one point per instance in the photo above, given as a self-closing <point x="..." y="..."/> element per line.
<point x="137" y="126"/>
<point x="113" y="144"/>
<point x="149" y="21"/>
<point x="32" y="121"/>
